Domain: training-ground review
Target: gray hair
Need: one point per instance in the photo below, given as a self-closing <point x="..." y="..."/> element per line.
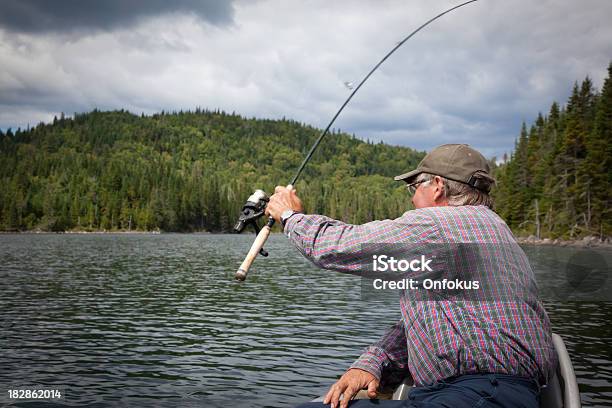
<point x="459" y="193"/>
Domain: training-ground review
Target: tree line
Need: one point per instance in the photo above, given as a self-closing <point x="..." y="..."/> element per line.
<point x="185" y="171"/>
<point x="556" y="183"/>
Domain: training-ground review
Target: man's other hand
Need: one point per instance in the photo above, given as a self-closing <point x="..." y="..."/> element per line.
<point x="282" y="200"/>
<point x="349" y="384"/>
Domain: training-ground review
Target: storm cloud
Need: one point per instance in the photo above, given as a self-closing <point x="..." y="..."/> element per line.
<point x="473" y="76"/>
<point x="68" y="15"/>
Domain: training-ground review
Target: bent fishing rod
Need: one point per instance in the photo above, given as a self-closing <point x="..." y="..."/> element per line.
<point x="256" y="204"/>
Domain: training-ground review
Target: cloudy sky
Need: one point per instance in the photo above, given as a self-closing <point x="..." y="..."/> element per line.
<point x="471" y="77"/>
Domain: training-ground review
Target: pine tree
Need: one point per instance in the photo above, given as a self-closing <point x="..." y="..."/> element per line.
<point x="565" y="190"/>
<point x="596" y="169"/>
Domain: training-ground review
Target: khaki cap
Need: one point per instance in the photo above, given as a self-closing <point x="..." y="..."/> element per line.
<point x="458" y="162"/>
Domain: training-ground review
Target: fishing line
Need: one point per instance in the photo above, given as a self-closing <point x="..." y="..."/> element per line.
<point x="318" y="141"/>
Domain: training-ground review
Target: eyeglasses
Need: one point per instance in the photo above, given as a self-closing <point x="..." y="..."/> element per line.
<point x="412" y="187"/>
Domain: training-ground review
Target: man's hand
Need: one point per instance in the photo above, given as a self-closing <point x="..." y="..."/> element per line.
<point x="283" y="199"/>
<point x="349" y="384"/>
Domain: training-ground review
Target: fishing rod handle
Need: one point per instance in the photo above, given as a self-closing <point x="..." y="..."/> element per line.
<point x="259" y="242"/>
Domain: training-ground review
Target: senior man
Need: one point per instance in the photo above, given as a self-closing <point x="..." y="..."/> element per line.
<point x="490" y="352"/>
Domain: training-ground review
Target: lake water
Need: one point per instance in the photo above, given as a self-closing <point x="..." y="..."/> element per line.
<point x="157" y="320"/>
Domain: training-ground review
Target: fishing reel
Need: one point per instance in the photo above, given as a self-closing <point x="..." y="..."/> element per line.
<point x="252" y="210"/>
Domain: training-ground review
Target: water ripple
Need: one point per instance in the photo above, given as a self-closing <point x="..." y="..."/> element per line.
<point x="157" y="320"/>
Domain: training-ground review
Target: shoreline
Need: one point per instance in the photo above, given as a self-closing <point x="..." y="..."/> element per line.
<point x="101" y="232"/>
<point x="585" y="242"/>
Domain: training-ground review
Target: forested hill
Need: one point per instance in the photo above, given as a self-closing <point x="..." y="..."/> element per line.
<point x="558" y="181"/>
<point x="186" y="171"/>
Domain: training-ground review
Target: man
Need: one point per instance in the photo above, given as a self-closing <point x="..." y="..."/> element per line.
<point x="494" y="351"/>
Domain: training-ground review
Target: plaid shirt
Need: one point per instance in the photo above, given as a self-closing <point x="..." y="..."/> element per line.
<point x="439" y="339"/>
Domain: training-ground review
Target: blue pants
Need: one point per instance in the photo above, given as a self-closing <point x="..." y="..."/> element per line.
<point x="473" y="390"/>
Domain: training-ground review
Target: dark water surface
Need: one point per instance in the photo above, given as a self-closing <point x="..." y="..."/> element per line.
<point x="157" y="320"/>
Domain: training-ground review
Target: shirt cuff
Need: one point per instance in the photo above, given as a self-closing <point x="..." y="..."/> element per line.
<point x="291" y="222"/>
<point x="370" y="362"/>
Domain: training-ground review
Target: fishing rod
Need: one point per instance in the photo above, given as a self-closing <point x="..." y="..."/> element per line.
<point x="256" y="203"/>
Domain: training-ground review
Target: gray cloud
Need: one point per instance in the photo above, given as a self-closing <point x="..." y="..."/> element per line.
<point x="69" y="15"/>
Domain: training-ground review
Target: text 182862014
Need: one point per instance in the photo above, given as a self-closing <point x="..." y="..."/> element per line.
<point x="34" y="393"/>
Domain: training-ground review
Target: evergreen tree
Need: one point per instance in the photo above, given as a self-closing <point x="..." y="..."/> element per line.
<point x="557" y="181"/>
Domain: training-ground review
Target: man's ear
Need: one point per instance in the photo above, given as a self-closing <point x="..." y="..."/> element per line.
<point x="439" y="193"/>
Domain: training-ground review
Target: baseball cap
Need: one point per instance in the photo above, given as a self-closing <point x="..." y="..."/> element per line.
<point x="458" y="162"/>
